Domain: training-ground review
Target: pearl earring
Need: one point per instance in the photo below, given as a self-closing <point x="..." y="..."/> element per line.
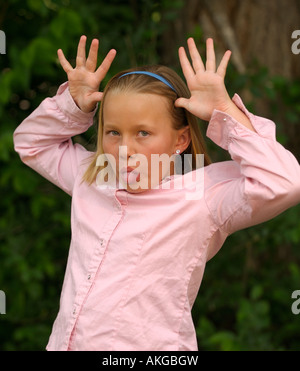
<point x="177" y="151"/>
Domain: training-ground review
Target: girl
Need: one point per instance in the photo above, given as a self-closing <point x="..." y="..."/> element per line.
<point x="138" y="254"/>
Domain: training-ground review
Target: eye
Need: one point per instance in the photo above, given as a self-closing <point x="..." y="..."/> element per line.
<point x="143" y="133"/>
<point x="112" y="133"/>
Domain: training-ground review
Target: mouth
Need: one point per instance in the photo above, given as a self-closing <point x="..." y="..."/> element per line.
<point x="130" y="175"/>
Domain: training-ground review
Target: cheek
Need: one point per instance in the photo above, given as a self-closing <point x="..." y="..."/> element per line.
<point x="109" y="147"/>
<point x="164" y="145"/>
<point x="105" y="146"/>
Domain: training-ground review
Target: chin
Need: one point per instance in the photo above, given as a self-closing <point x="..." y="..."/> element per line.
<point x="139" y="190"/>
<point x="134" y="188"/>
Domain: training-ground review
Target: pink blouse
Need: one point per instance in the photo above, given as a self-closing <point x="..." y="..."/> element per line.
<point x="136" y="261"/>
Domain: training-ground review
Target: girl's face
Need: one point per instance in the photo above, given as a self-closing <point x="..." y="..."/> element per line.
<point x="136" y="126"/>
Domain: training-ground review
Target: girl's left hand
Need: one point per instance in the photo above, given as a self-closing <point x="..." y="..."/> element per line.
<point x="206" y="83"/>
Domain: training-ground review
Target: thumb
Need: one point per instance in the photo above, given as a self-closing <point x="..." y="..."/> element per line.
<point x="96" y="97"/>
<point x="91" y="101"/>
<point x="182" y="102"/>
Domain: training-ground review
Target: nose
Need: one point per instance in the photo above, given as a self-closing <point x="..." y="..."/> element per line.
<point x="126" y="149"/>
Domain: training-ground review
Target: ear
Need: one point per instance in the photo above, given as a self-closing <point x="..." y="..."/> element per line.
<point x="183" y="139"/>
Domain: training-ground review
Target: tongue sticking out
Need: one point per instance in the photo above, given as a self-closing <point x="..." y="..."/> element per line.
<point x="131" y="177"/>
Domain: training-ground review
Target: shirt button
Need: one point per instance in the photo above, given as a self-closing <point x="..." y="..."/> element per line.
<point x="89" y="277"/>
<point x="224" y="119"/>
<point x="101" y="241"/>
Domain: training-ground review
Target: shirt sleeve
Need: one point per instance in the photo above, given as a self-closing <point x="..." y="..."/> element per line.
<point x="262" y="181"/>
<point x="43" y="139"/>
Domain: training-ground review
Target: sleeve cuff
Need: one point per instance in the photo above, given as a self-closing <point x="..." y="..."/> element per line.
<point x="66" y="104"/>
<point x="222" y="126"/>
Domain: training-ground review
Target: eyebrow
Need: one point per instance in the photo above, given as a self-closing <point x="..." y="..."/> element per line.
<point x="141" y="126"/>
<point x="109" y="125"/>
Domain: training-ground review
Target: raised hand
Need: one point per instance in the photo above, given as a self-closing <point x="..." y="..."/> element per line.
<point x="85" y="79"/>
<point x="205" y="82"/>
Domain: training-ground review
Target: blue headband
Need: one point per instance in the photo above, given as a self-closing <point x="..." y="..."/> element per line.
<point x="158" y="77"/>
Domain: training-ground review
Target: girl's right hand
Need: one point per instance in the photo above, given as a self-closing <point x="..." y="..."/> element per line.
<point x="85" y="79"/>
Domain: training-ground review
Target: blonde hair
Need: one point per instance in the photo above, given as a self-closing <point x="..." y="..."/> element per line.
<point x="140" y="83"/>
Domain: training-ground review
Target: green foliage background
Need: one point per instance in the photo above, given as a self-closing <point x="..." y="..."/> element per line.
<point x="245" y="299"/>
